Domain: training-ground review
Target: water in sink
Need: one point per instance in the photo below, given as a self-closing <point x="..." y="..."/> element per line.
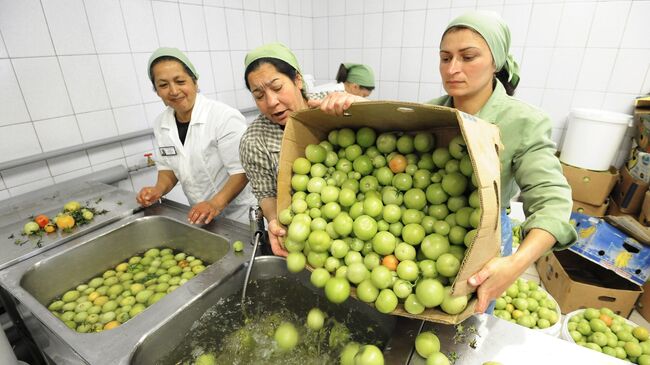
<point x="234" y="339"/>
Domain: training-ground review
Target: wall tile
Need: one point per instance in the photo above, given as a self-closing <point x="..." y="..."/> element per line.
<point x="221" y="65"/>
<point x="196" y="37"/>
<point x="215" y="22"/>
<point x="646" y="84"/>
<point x="354" y="55"/>
<point x="203" y="64"/>
<point x="228" y="97"/>
<point x="33" y="75"/>
<point x="463" y="3"/>
<point x="143" y="178"/>
<point x="557" y="136"/>
<point x="517" y="17"/>
<point x="336" y="8"/>
<point x="320" y="31"/>
<point x="337" y="34"/>
<point x="267" y="6"/>
<point x="372" y="6"/>
<point x="372" y="57"/>
<point x="282" y="6"/>
<point x="68" y="26"/>
<point x="244" y="99"/>
<point x="251" y="5"/>
<point x="96" y="125"/>
<point x="120" y="78"/>
<point x="237" y="60"/>
<point x="137" y="146"/>
<point x="109" y="164"/>
<point x="415" y="4"/>
<point x="564" y="69"/>
<point x="393" y="5"/>
<point x="12" y="148"/>
<point x="354" y="31"/>
<point x="282" y="24"/>
<point x="236" y="29"/>
<point x="307" y="34"/>
<point x="608" y="24"/>
<point x="575" y="24"/>
<point x="140" y="62"/>
<point x="319" y="8"/>
<point x="268" y="27"/>
<point x="430" y="66"/>
<point x="408" y="91"/>
<point x="85" y="83"/>
<point x="439" y="4"/>
<point x="388" y="90"/>
<point x="107" y="25"/>
<point x="372" y="29"/>
<point x="23" y="29"/>
<point x="32" y="186"/>
<point x="629" y="69"/>
<point x="593" y="73"/>
<point x="436" y="22"/>
<point x="636" y="34"/>
<point x="353" y="7"/>
<point x="152" y="110"/>
<point x="106" y="153"/>
<point x="58" y="133"/>
<point x="335" y="57"/>
<point x="535" y="66"/>
<point x="557" y="104"/>
<point x="295" y="30"/>
<point x="307" y="62"/>
<point x="66" y="163"/>
<point x="619" y="102"/>
<point x="13" y="109"/>
<point x="306" y="9"/>
<point x="72" y="175"/>
<point x="3" y="49"/>
<point x="495" y="8"/>
<point x="410" y="65"/>
<point x="253" y="25"/>
<point x="413" y="35"/>
<point x="140" y="25"/>
<point x="543" y="25"/>
<point x="24" y="174"/>
<point x="588" y="99"/>
<point x="391" y="36"/>
<point x="130" y="119"/>
<point x="2" y="183"/>
<point x="193" y="2"/>
<point x="390" y="62"/>
<point x="428" y="91"/>
<point x="168" y="24"/>
<point x="321" y="60"/>
<point x="295" y="7"/>
<point x="532" y="96"/>
<point x="235" y="4"/>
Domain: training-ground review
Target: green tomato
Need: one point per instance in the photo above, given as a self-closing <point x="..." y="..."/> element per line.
<point x="426" y="344"/>
<point x="315" y="319"/>
<point x="286" y="336"/>
<point x="369" y="355"/>
<point x="337" y="290"/>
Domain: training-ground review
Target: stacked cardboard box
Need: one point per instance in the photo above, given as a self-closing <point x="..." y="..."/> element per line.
<point x="590" y="189"/>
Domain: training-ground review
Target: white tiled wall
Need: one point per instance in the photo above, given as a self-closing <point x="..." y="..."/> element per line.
<point x="74" y="71"/>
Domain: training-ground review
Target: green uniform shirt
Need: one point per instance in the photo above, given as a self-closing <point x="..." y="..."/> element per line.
<point x="528" y="161"/>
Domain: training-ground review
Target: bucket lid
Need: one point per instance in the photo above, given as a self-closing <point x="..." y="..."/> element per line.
<point x="601" y="115"/>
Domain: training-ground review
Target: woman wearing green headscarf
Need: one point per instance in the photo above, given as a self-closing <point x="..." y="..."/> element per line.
<point x="357" y="79"/>
<point x="480" y="77"/>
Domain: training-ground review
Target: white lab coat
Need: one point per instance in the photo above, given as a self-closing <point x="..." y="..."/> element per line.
<point x="210" y="153"/>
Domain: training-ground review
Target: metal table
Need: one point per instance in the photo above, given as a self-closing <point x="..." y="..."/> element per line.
<point x="509" y="344"/>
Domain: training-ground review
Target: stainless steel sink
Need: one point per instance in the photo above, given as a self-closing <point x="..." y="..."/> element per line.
<point x="276" y="288"/>
<point x="33" y="283"/>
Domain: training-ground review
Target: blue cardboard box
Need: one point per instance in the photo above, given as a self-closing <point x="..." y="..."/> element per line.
<point x="607" y="246"/>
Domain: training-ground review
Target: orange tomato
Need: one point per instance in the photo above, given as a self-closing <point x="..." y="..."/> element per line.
<point x="110" y="325"/>
<point x="607" y="319"/>
<point x="398" y="163"/>
<point x="65" y="221"/>
<point x="42" y="220"/>
<point x="49" y="228"/>
<point x="390" y="262"/>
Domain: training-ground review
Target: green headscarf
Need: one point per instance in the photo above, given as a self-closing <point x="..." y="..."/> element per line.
<point x="359" y="74"/>
<point x="272" y="50"/>
<point x="497" y="35"/>
<point x="171" y="52"/>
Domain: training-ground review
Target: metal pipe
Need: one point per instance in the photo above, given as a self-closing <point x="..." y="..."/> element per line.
<point x="72" y="149"/>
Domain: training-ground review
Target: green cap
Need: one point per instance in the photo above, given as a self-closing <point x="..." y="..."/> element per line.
<point x="360" y="74"/>
<point x="171" y="52"/>
<point x="497" y="35"/>
<point x="272" y="50"/>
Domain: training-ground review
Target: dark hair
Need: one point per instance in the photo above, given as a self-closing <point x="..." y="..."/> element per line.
<point x="169" y="58"/>
<point x="502" y="75"/>
<point x="282" y="67"/>
<point x="342" y="76"/>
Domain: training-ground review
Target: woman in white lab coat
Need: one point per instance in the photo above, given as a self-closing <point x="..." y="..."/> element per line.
<point x="197" y="143"/>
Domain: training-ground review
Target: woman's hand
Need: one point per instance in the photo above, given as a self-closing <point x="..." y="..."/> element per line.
<point x="336" y="103"/>
<point x="203" y="212"/>
<point x="148" y="195"/>
<point x="493" y="279"/>
<point x="275" y="232"/>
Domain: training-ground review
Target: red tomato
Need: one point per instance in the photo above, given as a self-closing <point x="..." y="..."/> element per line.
<point x="42" y="220"/>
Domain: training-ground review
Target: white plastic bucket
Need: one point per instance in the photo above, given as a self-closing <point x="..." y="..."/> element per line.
<point x="593" y="137"/>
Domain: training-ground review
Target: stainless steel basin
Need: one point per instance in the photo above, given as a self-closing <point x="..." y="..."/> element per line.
<point x="205" y="318"/>
<point x="33" y="283"/>
<point x="51" y="277"/>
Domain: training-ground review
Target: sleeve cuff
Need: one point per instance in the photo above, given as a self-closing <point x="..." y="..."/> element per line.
<point x="564" y="233"/>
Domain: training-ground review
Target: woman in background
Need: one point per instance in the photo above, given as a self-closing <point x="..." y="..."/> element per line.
<point x="352" y="78"/>
<point x="197" y="142"/>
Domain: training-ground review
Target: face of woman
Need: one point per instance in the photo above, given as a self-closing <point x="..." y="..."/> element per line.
<point x="357" y="90"/>
<point x="175" y="87"/>
<point x="466" y="64"/>
<point x="276" y="95"/>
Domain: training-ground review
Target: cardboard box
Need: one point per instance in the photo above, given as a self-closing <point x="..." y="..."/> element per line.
<point x="638" y="164"/>
<point x="483" y="142"/>
<point x="642" y="127"/>
<point x="592" y="210"/>
<point x="644" y="216"/>
<point x="591" y="187"/>
<point x="614" y="210"/>
<point x="629" y="193"/>
<point x="576" y="283"/>
<point x="607" y="246"/>
<point x="643" y="305"/>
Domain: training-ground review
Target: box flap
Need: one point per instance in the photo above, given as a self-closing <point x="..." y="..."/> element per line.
<point x="631" y="226"/>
